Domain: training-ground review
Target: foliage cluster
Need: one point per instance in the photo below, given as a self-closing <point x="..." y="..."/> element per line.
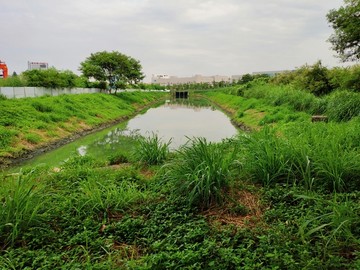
<point x="114" y="68"/>
<point x="319" y="80"/>
<point x="346" y="38"/>
<point x="50" y="78"/>
<point x="152" y="150"/>
<point x="201" y="172"/>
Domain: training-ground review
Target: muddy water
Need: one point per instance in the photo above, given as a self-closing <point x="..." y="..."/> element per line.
<point x="172" y="120"/>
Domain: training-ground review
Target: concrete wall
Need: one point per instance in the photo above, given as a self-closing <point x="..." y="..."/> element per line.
<point x="23" y="92"/>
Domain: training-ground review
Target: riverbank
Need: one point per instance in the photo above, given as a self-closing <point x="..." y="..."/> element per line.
<point x="29" y="127"/>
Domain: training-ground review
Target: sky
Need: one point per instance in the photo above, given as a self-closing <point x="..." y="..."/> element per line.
<point x="174" y="37"/>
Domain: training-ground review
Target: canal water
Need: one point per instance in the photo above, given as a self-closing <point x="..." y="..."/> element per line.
<point x="174" y="120"/>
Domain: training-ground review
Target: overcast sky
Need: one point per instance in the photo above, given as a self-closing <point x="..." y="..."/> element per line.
<point x="174" y="37"/>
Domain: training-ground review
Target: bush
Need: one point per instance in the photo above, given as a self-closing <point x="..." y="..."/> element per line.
<point x="345" y="78"/>
<point x="343" y="106"/>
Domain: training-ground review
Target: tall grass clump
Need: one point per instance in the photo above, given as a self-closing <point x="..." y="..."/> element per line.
<point x="277" y="95"/>
<point x="201" y="172"/>
<point x="343" y="106"/>
<point x="22" y="201"/>
<point x="267" y="157"/>
<point x="326" y="156"/>
<point x="152" y="150"/>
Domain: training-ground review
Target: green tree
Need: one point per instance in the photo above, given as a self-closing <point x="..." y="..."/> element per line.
<point x="113" y="67"/>
<point x="313" y="79"/>
<point x="346" y="23"/>
<point x="246" y="78"/>
<point x="50" y="78"/>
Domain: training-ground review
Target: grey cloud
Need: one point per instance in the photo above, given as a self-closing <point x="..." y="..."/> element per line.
<point x="176" y="37"/>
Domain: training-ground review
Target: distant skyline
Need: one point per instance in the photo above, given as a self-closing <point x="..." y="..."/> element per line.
<point x="180" y="38"/>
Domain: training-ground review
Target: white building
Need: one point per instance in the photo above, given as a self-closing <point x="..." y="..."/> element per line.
<point x="37" y="65"/>
<point x="270" y="73"/>
<point x="171" y="80"/>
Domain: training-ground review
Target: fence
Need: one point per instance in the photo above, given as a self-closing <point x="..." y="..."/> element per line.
<point x="23" y="92"/>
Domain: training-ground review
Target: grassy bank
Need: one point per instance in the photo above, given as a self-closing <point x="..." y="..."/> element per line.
<point x="30" y="123"/>
<point x="260" y="103"/>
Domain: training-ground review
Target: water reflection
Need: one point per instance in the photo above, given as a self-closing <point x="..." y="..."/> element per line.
<point x="109" y="142"/>
<point x="180" y="120"/>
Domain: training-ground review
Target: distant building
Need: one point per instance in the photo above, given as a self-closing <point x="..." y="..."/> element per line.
<point x="37" y="65"/>
<point x="270" y="73"/>
<point x="172" y="80"/>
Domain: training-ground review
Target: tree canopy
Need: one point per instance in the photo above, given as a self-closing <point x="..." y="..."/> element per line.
<point x="115" y="68"/>
<point x="50" y="78"/>
<point x="346" y="23"/>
